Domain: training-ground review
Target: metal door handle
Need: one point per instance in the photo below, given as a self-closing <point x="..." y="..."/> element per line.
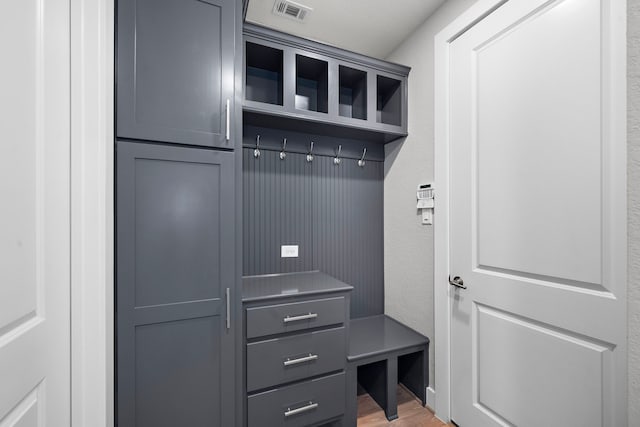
<point x="228" y="110"/>
<point x="457" y="282"/>
<point x="302" y="317"/>
<point x="305" y="408"/>
<point x="228" y="309"/>
<point x="308" y="358"/>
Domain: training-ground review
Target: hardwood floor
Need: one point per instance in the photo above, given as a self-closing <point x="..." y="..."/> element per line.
<point x="411" y="413"/>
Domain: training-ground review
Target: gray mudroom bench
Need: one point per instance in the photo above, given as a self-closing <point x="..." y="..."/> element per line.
<point x="383" y="353"/>
<point x="305" y="357"/>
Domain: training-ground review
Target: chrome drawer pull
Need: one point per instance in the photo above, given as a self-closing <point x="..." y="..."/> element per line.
<point x="302" y="317"/>
<point x="308" y="358"/>
<point x="305" y="408"/>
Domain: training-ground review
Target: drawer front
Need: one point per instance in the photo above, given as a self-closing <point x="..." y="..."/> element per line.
<point x="299" y="405"/>
<point x="281" y="360"/>
<point x="296" y="316"/>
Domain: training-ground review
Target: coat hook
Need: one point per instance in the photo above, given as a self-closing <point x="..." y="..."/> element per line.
<point x="361" y="161"/>
<point x="309" y="155"/>
<point x="337" y="159"/>
<point x="256" y="152"/>
<point x="283" y="155"/>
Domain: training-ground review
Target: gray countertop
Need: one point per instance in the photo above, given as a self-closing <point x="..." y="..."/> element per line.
<point x="270" y="286"/>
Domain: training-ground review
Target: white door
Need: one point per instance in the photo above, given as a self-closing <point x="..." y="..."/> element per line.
<point x="538" y="217"/>
<point x="34" y="213"/>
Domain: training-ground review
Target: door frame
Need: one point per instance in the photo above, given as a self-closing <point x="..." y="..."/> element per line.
<point x="616" y="80"/>
<point x="92" y="212"/>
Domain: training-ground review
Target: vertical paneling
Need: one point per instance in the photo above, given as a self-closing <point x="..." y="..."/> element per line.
<point x="333" y="212"/>
<point x="277" y="211"/>
<point x="348" y="229"/>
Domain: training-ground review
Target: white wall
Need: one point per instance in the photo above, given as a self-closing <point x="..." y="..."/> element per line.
<point x="633" y="176"/>
<point x="408" y="245"/>
<point x="409" y="162"/>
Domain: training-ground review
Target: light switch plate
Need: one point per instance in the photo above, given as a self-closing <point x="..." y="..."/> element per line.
<point x="289" y="251"/>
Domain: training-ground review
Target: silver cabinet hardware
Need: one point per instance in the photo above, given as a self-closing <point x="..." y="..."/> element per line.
<point x="228" y="110"/>
<point x="457" y="282"/>
<point x="228" y="309"/>
<point x="301" y="409"/>
<point x="309" y="358"/>
<point x="283" y="154"/>
<point x="301" y="317"/>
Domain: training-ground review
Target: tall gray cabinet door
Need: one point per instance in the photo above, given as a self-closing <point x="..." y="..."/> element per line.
<point x="175" y="72"/>
<point x="175" y="261"/>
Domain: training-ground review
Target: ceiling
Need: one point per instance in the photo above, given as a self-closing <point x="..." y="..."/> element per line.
<point x="370" y="27"/>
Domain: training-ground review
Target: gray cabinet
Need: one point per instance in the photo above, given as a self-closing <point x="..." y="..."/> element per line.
<point x="300" y="85"/>
<point x="175" y="278"/>
<point x="175" y="71"/>
<point x="296" y="332"/>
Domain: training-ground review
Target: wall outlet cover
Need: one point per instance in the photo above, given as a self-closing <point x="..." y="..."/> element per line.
<point x="289" y="251"/>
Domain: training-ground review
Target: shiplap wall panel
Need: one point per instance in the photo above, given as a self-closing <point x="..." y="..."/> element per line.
<point x="348" y="229"/>
<point x="333" y="212"/>
<point x="277" y="211"/>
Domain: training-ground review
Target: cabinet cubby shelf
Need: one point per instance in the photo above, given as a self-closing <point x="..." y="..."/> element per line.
<point x="263" y="74"/>
<point x="297" y="84"/>
<point x="389" y="101"/>
<point x="353" y="93"/>
<point x="312" y="84"/>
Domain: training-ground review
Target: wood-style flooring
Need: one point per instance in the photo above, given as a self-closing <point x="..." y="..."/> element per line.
<point x="411" y="413"/>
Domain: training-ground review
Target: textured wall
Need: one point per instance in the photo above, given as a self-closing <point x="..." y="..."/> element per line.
<point x="408" y="245"/>
<point x="633" y="176"/>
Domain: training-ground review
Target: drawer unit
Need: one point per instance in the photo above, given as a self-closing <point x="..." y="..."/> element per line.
<point x="286" y="359"/>
<point x="296" y="332"/>
<point x="296" y="316"/>
<point x="299" y="405"/>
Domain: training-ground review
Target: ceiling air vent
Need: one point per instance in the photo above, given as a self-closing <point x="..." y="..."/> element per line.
<point x="291" y="10"/>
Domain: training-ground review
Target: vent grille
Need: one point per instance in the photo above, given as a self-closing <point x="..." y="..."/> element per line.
<point x="291" y="10"/>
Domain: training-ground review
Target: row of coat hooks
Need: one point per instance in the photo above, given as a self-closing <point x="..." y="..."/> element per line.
<point x="283" y="154"/>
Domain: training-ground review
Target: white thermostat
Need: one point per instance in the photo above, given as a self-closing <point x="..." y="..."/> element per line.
<point x="425" y="203"/>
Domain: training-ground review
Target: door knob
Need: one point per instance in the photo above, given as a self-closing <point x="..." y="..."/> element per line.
<point x="457" y="282"/>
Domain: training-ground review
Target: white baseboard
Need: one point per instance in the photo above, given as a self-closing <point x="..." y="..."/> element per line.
<point x="431" y="398"/>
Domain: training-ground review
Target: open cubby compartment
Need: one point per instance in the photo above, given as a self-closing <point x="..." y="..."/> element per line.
<point x="353" y="93"/>
<point x="389" y="101"/>
<point x="263" y="74"/>
<point x="312" y="88"/>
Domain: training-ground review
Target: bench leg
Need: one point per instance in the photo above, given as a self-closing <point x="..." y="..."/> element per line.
<point x="413" y="372"/>
<point x="380" y="380"/>
<point x="373" y="378"/>
<point x="391" y="409"/>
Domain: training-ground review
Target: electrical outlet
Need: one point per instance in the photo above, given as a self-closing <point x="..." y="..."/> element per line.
<point x="289" y="251"/>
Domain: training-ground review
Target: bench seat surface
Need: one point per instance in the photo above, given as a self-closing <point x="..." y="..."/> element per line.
<point x="371" y="336"/>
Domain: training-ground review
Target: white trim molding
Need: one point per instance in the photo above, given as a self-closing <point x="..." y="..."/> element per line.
<point x="431" y="398"/>
<point x="442" y="307"/>
<point x="92" y="218"/>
